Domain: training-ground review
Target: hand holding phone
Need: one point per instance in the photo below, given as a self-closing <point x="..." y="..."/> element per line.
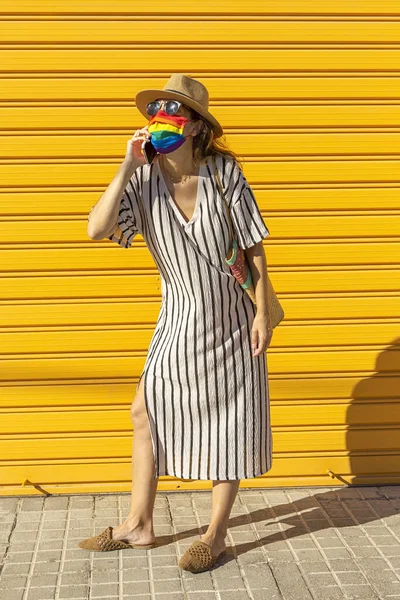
<point x="134" y="147"/>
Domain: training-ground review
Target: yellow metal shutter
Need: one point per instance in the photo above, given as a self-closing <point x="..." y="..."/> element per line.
<point x="308" y="94"/>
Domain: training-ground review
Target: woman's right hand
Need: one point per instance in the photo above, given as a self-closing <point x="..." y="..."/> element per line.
<point x="133" y="146"/>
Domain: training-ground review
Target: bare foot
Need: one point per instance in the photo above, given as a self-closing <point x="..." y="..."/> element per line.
<point x="217" y="543"/>
<point x="132" y="534"/>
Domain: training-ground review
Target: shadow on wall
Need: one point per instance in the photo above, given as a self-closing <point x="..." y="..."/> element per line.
<point x="373" y="422"/>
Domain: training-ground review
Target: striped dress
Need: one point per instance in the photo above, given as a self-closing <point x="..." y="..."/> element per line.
<point x="207" y="397"/>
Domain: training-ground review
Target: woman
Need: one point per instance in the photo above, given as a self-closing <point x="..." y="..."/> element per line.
<point x="201" y="409"/>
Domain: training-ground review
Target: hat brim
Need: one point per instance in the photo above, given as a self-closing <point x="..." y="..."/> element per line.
<point x="145" y="96"/>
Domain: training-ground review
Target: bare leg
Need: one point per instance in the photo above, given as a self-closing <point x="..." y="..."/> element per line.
<point x="138" y="526"/>
<point x="223" y="497"/>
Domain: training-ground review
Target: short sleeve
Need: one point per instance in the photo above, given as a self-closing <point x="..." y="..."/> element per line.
<point x="248" y="225"/>
<point x="129" y="214"/>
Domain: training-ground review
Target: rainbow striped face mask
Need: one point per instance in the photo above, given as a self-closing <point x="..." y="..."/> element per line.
<point x="167" y="131"/>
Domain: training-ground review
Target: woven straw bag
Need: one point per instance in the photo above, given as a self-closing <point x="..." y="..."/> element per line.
<point x="237" y="261"/>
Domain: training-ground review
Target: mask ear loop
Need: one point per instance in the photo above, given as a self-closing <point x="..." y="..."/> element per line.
<point x="188" y="121"/>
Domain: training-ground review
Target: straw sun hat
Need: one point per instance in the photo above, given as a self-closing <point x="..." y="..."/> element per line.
<point x="187" y="90"/>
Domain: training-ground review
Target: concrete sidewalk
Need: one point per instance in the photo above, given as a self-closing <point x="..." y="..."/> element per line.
<point x="290" y="544"/>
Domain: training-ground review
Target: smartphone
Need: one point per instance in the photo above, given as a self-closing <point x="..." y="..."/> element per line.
<point x="149" y="152"/>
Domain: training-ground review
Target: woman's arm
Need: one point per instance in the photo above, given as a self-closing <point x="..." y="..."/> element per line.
<point x="103" y="215"/>
<point x="261" y="331"/>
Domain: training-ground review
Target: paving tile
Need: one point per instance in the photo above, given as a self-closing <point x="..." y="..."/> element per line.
<point x="106" y="590"/>
<point x="315" y="567"/>
<point x="69" y="592"/>
<point x="14" y="594"/>
<point x="390" y="551"/>
<point x="136" y="587"/>
<point x="342" y="565"/>
<point x="167" y="586"/>
<point x="80" y="577"/>
<point x="266" y="594"/>
<point x="239" y="595"/>
<point x="352" y="578"/>
<point x="361" y="592"/>
<point x="290" y="581"/>
<point x="309" y="554"/>
<point x="330" y="593"/>
<point x="42" y="593"/>
<point x="223" y="583"/>
<point x="320" y="580"/>
<point x="171" y="572"/>
<point x="337" y="553"/>
<point x="10" y="582"/>
<point x="365" y="551"/>
<point x="198" y="582"/>
<point x="16" y="569"/>
<point x="43" y="579"/>
<point x="131" y="575"/>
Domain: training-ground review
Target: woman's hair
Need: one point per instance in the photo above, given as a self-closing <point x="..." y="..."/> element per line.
<point x="205" y="144"/>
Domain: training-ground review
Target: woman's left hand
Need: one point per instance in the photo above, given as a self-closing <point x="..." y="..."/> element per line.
<point x="261" y="334"/>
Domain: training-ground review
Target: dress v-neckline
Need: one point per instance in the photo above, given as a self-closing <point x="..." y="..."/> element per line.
<point x="172" y="202"/>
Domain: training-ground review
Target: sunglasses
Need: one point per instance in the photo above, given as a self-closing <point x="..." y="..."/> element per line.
<point x="171" y="107"/>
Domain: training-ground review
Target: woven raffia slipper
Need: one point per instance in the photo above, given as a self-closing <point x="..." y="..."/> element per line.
<point x="104" y="542"/>
<point x="198" y="557"/>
